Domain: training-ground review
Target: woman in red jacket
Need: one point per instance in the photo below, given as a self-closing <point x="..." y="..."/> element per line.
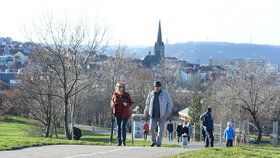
<point x="121" y="104"/>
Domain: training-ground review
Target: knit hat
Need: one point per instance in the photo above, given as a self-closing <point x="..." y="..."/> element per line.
<point x="157" y="84"/>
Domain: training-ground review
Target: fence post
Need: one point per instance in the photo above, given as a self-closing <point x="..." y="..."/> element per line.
<point x="193" y="133"/>
<point x="240" y="133"/>
<point x="200" y="133"/>
<point x="275" y="134"/>
<point x="247" y="131"/>
<point x="221" y="132"/>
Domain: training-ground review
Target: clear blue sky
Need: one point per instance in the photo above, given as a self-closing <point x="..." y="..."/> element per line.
<point x="135" y="22"/>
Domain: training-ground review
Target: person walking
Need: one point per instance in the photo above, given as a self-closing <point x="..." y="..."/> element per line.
<point x="146" y="130"/>
<point x="121" y="107"/>
<point x="229" y="134"/>
<point x="179" y="129"/>
<point x="190" y="131"/>
<point x="208" y="127"/>
<point x="158" y="108"/>
<point x="170" y="130"/>
<point x="185" y="130"/>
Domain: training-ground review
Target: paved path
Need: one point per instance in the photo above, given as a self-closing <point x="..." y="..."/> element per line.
<point x="87" y="151"/>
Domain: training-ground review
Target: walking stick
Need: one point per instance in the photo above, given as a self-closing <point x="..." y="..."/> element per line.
<point x="112" y="125"/>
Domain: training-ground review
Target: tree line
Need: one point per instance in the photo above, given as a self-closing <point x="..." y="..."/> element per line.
<point x="68" y="80"/>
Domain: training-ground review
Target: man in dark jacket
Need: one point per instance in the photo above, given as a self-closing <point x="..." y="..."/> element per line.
<point x="208" y="126"/>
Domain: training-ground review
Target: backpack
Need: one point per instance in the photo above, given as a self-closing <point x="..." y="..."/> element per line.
<point x="170" y="127"/>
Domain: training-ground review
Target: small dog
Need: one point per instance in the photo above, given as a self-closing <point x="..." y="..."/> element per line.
<point x="237" y="140"/>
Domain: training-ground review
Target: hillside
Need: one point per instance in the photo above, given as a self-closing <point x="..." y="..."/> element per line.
<point x="202" y="51"/>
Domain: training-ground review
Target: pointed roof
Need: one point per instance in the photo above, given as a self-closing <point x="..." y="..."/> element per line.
<point x="184" y="112"/>
<point x="159" y="36"/>
<point x="184" y="115"/>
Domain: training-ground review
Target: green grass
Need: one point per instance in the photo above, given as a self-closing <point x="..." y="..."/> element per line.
<point x="15" y="134"/>
<point x="250" y="151"/>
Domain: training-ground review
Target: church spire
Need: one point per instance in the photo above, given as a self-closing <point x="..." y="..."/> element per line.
<point x="159" y="37"/>
<point x="159" y="45"/>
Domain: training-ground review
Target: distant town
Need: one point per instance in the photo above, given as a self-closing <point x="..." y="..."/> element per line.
<point x="14" y="57"/>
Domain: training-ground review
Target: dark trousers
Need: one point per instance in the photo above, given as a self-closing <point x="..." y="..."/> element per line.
<point x="229" y="143"/>
<point x="203" y="135"/>
<point x="209" y="139"/>
<point x="145" y="134"/>
<point x="179" y="138"/>
<point x="121" y="123"/>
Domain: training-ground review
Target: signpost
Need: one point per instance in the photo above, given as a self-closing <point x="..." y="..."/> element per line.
<point x="275" y="134"/>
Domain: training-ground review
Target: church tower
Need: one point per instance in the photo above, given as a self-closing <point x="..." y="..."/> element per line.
<point x="159" y="45"/>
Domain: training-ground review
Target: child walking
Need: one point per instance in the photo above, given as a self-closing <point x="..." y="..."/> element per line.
<point x="229" y="134"/>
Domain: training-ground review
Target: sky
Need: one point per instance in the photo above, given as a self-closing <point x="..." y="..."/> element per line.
<point x="135" y="22"/>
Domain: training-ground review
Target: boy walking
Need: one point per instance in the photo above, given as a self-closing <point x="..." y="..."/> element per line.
<point x="146" y="130"/>
<point x="229" y="134"/>
<point x="170" y="130"/>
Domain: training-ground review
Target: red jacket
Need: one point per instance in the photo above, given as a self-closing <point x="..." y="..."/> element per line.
<point x="119" y="108"/>
<point x="146" y="127"/>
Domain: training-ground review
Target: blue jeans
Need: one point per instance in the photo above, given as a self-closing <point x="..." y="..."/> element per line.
<point x="170" y="135"/>
<point x="145" y="135"/>
<point x="121" y="123"/>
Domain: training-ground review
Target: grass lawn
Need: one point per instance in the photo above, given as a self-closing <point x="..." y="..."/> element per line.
<point x="14" y="134"/>
<point x="250" y="151"/>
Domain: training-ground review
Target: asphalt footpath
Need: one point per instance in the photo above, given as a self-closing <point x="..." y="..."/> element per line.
<point x="90" y="151"/>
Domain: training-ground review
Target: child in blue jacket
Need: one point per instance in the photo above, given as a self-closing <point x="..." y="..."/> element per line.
<point x="229" y="134"/>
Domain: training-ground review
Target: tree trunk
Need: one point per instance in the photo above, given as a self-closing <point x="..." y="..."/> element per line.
<point x="67" y="134"/>
<point x="49" y="117"/>
<point x="47" y="131"/>
<point x="72" y="120"/>
<point x="99" y="120"/>
<point x="258" y="125"/>
<point x="55" y="125"/>
<point x="48" y="127"/>
<point x="89" y="120"/>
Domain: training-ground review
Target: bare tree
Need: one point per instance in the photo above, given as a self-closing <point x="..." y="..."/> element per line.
<point x="95" y="109"/>
<point x="117" y="69"/>
<point x="68" y="50"/>
<point x="168" y="73"/>
<point x="6" y="99"/>
<point x="38" y="86"/>
<point x="252" y="93"/>
<point x="140" y="83"/>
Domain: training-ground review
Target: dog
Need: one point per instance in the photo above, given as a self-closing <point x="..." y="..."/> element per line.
<point x="77" y="133"/>
<point x="237" y="140"/>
